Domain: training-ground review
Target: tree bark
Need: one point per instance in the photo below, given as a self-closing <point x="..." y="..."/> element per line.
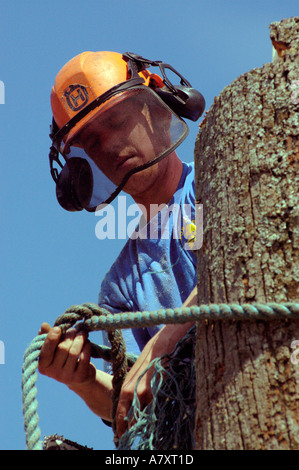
<point x="247" y="178"/>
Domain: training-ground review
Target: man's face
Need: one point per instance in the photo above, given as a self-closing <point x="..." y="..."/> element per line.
<point x="126" y="136"/>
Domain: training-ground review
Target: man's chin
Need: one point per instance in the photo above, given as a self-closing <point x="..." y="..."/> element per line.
<point x="140" y="182"/>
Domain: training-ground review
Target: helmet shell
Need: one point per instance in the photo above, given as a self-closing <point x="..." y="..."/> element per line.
<point x="84" y="78"/>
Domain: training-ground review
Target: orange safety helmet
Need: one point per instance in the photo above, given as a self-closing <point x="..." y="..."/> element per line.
<point x="92" y="82"/>
<point x="86" y="77"/>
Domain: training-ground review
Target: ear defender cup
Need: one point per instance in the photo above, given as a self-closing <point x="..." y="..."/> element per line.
<point x="74" y="187"/>
<point x="187" y="102"/>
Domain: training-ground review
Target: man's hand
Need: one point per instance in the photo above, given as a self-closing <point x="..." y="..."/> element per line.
<point x="66" y="359"/>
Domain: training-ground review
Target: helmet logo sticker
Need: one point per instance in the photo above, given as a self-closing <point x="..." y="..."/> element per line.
<point x="76" y="96"/>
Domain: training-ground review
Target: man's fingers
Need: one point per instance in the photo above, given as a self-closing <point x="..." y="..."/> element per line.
<point x="85" y="354"/>
<point x="62" y="355"/>
<point x="75" y="349"/>
<point x="45" y="328"/>
<point x="144" y="394"/>
<point x="66" y="357"/>
<point x="121" y="423"/>
<point x="49" y="347"/>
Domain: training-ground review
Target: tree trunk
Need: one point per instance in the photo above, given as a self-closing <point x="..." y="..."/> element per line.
<point x="247" y="165"/>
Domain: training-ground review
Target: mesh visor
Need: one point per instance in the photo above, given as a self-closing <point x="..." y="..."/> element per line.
<point x="126" y="135"/>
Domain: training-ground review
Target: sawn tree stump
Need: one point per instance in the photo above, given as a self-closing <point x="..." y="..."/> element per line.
<point x="247" y="177"/>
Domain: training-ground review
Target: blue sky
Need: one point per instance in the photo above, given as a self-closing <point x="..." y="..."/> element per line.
<point x="51" y="259"/>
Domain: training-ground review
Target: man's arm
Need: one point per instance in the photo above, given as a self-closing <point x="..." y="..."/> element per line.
<point x="192" y="299"/>
<point x="162" y="343"/>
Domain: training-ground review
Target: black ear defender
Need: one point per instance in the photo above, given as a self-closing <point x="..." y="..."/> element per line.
<point x="183" y="99"/>
<point x="74" y="183"/>
<point x="74" y="186"/>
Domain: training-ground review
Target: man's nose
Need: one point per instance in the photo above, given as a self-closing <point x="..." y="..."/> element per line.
<point x="116" y="143"/>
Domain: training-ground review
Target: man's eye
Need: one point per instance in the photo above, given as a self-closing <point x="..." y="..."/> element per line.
<point x="117" y="124"/>
<point x="90" y="144"/>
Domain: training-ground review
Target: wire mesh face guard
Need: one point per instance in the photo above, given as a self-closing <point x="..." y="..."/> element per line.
<point x="132" y="130"/>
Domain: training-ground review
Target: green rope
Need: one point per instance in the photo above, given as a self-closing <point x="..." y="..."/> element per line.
<point x="29" y="377"/>
<point x="97" y="318"/>
<point x="91" y="317"/>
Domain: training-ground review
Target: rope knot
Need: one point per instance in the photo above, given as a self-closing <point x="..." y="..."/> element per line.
<point x="79" y="313"/>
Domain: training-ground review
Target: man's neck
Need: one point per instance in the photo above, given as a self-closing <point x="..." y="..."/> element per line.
<point x="164" y="187"/>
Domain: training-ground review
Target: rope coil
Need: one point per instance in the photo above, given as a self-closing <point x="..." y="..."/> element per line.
<point x="91" y="317"/>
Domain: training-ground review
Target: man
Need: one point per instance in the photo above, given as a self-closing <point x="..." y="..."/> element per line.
<point x="117" y="127"/>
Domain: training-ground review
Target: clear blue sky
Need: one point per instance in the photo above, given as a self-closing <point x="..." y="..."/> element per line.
<point x="51" y="259"/>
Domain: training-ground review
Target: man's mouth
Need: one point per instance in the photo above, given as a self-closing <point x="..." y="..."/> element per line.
<point x="122" y="161"/>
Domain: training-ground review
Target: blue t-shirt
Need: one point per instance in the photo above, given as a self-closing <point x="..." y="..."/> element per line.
<point x="157" y="266"/>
